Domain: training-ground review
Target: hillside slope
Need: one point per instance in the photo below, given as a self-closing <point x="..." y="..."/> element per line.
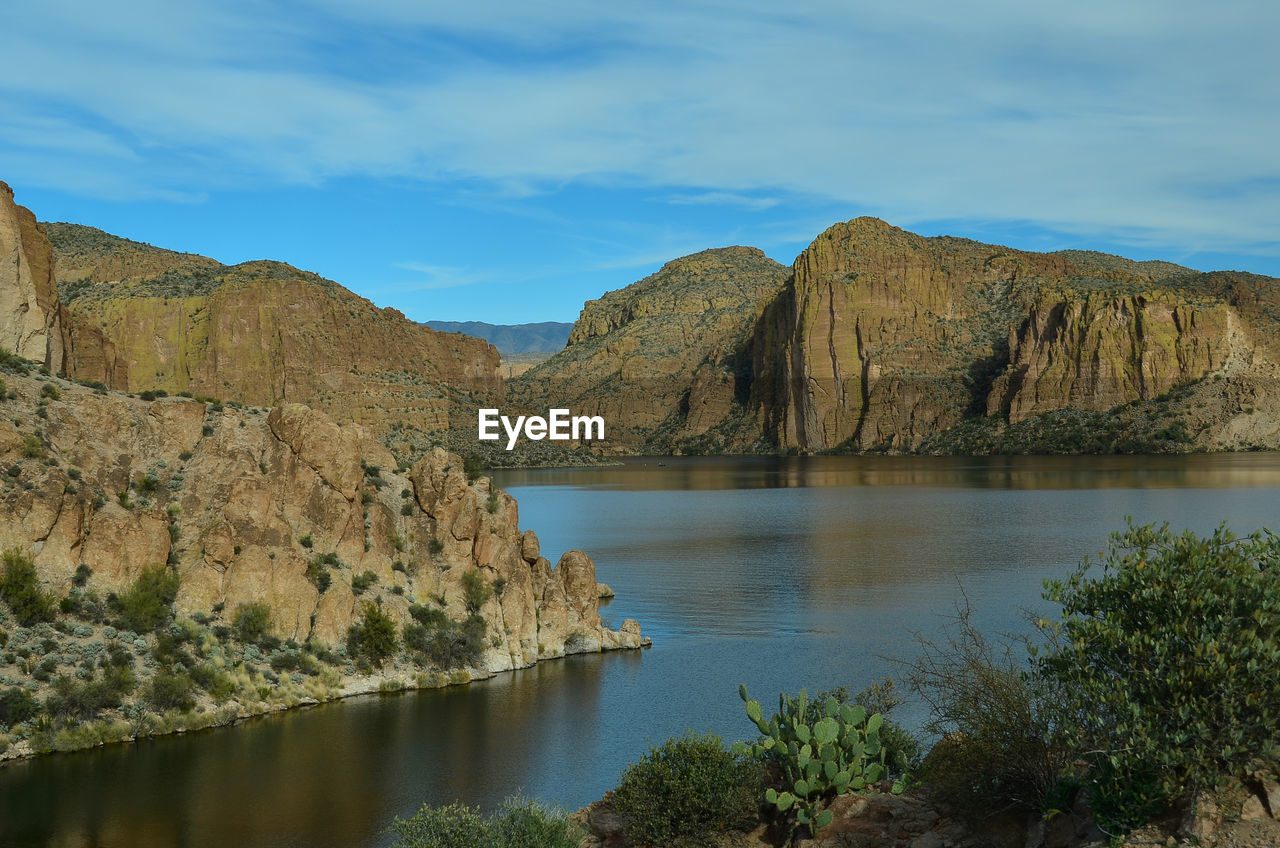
<point x="663" y="359"/>
<point x="258" y="332"/>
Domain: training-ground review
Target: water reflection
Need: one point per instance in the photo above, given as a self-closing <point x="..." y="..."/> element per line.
<point x="776" y="573"/>
<point x="983" y="472"/>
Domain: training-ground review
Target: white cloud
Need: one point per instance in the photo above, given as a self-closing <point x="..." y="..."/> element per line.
<point x="1119" y="119"/>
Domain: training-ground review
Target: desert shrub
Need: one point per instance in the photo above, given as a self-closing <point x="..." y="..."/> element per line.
<point x="169" y="691"/>
<point x="16" y="706"/>
<point x="252" y="621"/>
<point x="361" y="582"/>
<point x="50" y="391"/>
<point x="518" y="823"/>
<point x="472" y="466"/>
<point x="687" y="790"/>
<point x="318" y="570"/>
<point x="994" y="717"/>
<point x="475" y="591"/>
<point x="20" y="589"/>
<point x="407" y="508"/>
<point x="374" y="638"/>
<point x="82" y="575"/>
<point x="434" y="638"/>
<point x="148" y="603"/>
<point x="492" y="503"/>
<point x="1166" y="659"/>
<point x="32" y="447"/>
<point x="435" y="546"/>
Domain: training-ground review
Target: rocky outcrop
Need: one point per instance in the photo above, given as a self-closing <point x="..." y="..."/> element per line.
<point x="1098" y="350"/>
<point x="32" y="323"/>
<point x="883" y="339"/>
<point x="241" y="502"/>
<point x="661" y="360"/>
<point x="260" y="333"/>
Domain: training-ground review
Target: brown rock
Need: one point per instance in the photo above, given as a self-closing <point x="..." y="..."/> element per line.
<point x="32" y="321"/>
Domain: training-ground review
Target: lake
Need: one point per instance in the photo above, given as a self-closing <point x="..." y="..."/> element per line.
<point x="776" y="573"/>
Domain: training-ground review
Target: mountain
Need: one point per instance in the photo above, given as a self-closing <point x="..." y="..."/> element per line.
<point x="259" y="332"/>
<point x="543" y="337"/>
<point x="662" y="359"/>
<point x="877" y="339"/>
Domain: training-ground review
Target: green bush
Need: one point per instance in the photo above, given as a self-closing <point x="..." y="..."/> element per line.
<point x="318" y="568"/>
<point x="475" y="590"/>
<point x="20" y="588"/>
<point x="361" y="582"/>
<point x="994" y="717"/>
<point x="1167" y="659"/>
<point x="517" y="824"/>
<point x="148" y="603"/>
<point x="435" y="546"/>
<point x="687" y="790"/>
<point x="169" y="691"/>
<point x="434" y="638"/>
<point x="32" y="447"/>
<point x="252" y="621"/>
<point x="16" y="706"/>
<point x="472" y="466"/>
<point x="374" y="638"/>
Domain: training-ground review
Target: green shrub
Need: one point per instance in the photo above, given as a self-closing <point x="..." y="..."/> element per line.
<point x="318" y="570"/>
<point x="374" y="638"/>
<point x="518" y="823"/>
<point x="82" y="575"/>
<point x="50" y="391"/>
<point x="306" y="541"/>
<point x="20" y="588"/>
<point x="686" y="791"/>
<point x="168" y="691"/>
<point x="435" y="546"/>
<point x="1167" y="659"/>
<point x="994" y="718"/>
<point x="252" y="621"/>
<point x="362" y="581"/>
<point x="32" y="447"/>
<point x="16" y="706"/>
<point x="407" y="508"/>
<point x="492" y="503"/>
<point x="472" y="466"/>
<point x="148" y="603"/>
<point x="475" y="591"/>
<point x="434" y="638"/>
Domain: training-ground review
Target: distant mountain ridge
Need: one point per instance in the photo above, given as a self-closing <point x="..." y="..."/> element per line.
<point x="542" y="337"/>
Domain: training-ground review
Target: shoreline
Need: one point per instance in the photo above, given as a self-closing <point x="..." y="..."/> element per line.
<point x="233" y="712"/>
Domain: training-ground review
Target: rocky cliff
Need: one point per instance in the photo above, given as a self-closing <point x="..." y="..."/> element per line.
<point x="883" y="340"/>
<point x="661" y="360"/>
<point x="32" y="324"/>
<point x="258" y="332"/>
<point x="247" y="506"/>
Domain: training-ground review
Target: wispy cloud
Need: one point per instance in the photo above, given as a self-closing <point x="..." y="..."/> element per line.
<point x="436" y="277"/>
<point x="723" y="198"/>
<point x="1088" y="118"/>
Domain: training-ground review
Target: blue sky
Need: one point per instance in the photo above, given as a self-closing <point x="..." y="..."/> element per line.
<point x="504" y="161"/>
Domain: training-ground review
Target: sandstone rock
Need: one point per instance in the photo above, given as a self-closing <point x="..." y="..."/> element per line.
<point x="260" y="333"/>
<point x="603" y="591"/>
<point x="229" y="497"/>
<point x="32" y="321"/>
<point x="660" y="360"/>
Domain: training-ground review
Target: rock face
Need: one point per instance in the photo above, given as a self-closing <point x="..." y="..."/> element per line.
<point x="882" y="339"/>
<point x="1098" y="350"/>
<point x="259" y="332"/>
<point x="663" y="359"/>
<point x="32" y="324"/>
<point x="240" y="502"/>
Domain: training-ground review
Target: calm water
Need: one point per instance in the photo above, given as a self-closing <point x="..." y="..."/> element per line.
<point x="774" y="573"/>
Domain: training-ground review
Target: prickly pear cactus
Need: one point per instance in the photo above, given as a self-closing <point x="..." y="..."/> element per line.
<point x="839" y="752"/>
